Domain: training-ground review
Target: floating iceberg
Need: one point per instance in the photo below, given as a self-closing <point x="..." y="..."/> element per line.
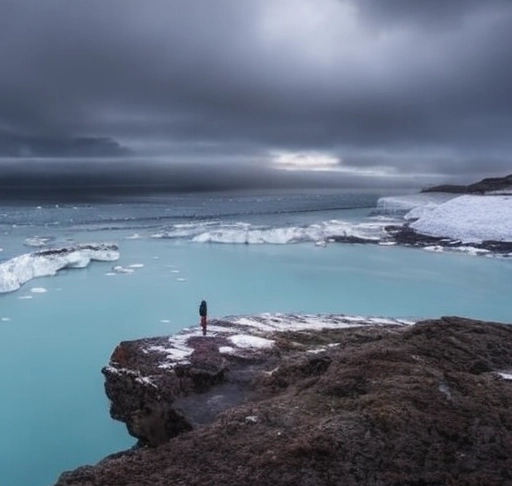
<point x="19" y="270"/>
<point x="318" y="232"/>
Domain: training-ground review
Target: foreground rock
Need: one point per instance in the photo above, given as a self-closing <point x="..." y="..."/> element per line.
<point x="352" y="402"/>
<point x="160" y="387"/>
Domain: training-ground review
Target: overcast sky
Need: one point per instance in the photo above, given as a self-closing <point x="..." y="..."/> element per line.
<point x="331" y="89"/>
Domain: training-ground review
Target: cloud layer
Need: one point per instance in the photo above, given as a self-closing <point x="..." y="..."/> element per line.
<point x="413" y="87"/>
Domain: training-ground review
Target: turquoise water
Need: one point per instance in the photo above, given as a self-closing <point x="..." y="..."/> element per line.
<point x="52" y="346"/>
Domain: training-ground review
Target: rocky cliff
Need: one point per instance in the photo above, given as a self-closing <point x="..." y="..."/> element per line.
<point x="485" y="185"/>
<point x="313" y="400"/>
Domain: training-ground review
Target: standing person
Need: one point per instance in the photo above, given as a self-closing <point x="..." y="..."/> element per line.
<point x="203" y="313"/>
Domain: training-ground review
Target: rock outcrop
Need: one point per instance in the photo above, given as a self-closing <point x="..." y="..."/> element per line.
<point x="160" y="387"/>
<point x="313" y="400"/>
<point x="485" y="185"/>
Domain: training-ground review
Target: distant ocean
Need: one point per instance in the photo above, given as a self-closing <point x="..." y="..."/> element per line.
<point x="245" y="253"/>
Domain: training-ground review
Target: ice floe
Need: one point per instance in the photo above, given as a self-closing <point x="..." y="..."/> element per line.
<point x="37" y="241"/>
<point x="38" y="290"/>
<point x="120" y="269"/>
<point x="319" y="233"/>
<point x="135" y="236"/>
<point x="23" y="268"/>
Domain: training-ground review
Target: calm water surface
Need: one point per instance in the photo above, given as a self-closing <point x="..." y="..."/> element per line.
<point x="53" y="345"/>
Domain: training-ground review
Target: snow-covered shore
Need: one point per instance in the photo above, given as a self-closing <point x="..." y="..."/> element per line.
<point x="471" y="219"/>
<point x="475" y="224"/>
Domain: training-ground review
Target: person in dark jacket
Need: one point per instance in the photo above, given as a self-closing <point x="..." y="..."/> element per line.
<point x="203" y="312"/>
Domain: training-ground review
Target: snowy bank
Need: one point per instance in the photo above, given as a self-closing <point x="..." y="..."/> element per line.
<point x="399" y="205"/>
<point x="471" y="219"/>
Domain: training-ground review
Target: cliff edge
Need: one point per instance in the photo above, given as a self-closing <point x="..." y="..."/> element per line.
<point x="313" y="400"/>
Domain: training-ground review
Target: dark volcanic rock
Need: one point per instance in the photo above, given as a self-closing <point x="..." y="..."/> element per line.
<point x="379" y="405"/>
<point x="485" y="185"/>
<point x="143" y="386"/>
<point x="405" y="235"/>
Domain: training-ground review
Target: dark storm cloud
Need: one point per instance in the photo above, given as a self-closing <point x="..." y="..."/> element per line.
<point x="77" y="179"/>
<point x="421" y="87"/>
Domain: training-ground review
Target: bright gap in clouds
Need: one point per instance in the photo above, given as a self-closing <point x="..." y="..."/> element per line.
<point x="305" y="161"/>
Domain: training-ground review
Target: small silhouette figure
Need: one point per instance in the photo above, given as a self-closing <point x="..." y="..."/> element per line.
<point x="203" y="313"/>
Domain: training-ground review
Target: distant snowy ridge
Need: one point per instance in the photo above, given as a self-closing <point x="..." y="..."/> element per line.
<point x="19" y="270"/>
<point x="468" y="218"/>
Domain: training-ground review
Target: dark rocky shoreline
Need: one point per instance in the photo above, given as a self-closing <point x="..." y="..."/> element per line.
<point x="481" y="187"/>
<point x="404" y="235"/>
<point x="360" y="402"/>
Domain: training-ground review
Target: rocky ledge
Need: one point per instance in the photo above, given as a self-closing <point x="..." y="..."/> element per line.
<point x="313" y="400"/>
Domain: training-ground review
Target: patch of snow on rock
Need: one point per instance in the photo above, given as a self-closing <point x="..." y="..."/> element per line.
<point x="248" y="341"/>
<point x="226" y="350"/>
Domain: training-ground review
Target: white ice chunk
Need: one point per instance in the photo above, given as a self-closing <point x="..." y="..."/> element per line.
<point x="121" y="269"/>
<point x="38" y="290"/>
<point x="318" y="233"/>
<point x="37" y="241"/>
<point x="19" y="270"/>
